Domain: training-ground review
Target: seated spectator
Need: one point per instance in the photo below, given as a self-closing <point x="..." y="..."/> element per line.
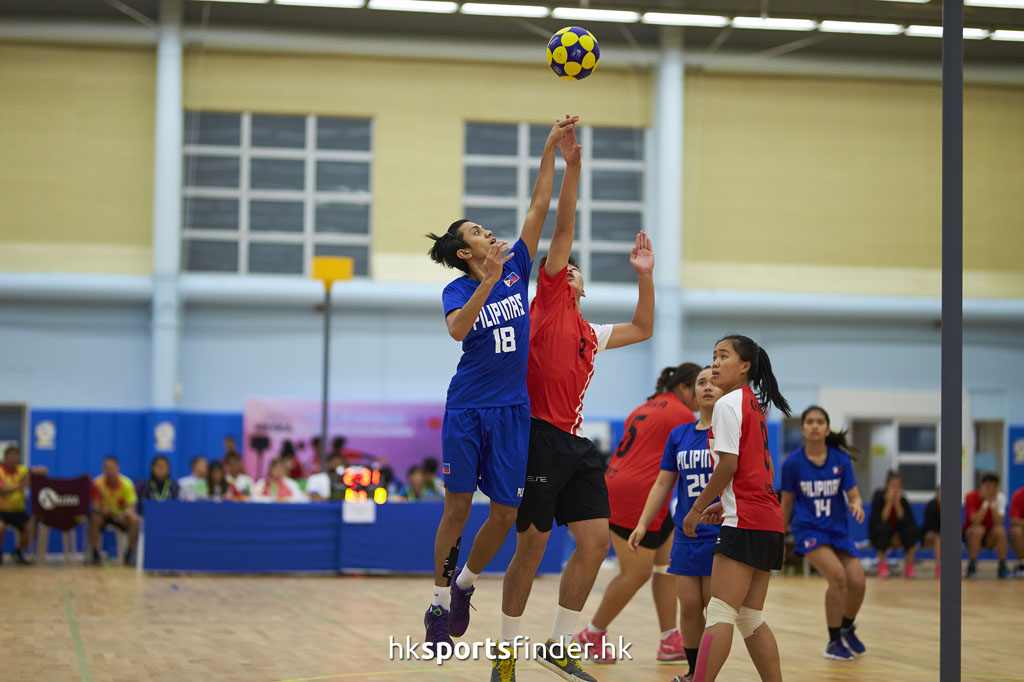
<point x="349" y="456"/>
<point x="193" y="486"/>
<point x="229" y="445"/>
<point x="113" y="504"/>
<point x="292" y="465"/>
<point x="430" y="482"/>
<point x="415" y="490"/>
<point x="159" y="486"/>
<point x="983" y="526"/>
<point x="389" y="482"/>
<point x="931" y="534"/>
<point x="1017" y="528"/>
<point x="319" y="486"/>
<point x="14" y="480"/>
<point x="277" y="487"/>
<point x="218" y="486"/>
<point x="236" y="474"/>
<point x="892" y="524"/>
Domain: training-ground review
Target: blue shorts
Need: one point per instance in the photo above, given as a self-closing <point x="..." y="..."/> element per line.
<point x="691" y="556"/>
<point x="807" y="540"/>
<point x="487" y="448"/>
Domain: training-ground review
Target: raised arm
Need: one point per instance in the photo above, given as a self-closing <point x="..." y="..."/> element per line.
<point x="540" y="200"/>
<point x="642" y="326"/>
<point x="565" y="217"/>
<point x="461" y="321"/>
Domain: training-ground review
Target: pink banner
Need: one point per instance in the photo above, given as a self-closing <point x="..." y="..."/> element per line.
<point x="398" y="434"/>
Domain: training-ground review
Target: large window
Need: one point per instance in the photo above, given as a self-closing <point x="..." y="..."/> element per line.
<point x="265" y="193"/>
<point x="917" y="457"/>
<point x="501" y="163"/>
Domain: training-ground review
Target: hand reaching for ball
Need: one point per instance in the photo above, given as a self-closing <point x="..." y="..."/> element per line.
<point x="642" y="255"/>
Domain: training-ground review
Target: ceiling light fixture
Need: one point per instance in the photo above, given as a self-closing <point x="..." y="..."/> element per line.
<point x="1007" y="35"/>
<point x="863" y="27"/>
<point x="775" y="24"/>
<point x="585" y="14"/>
<point x="494" y="10"/>
<point x="672" y="19"/>
<point x="936" y="32"/>
<point x="1001" y="4"/>
<point x="343" y="4"/>
<point x="432" y="6"/>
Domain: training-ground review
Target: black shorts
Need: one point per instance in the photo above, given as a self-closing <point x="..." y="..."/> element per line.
<point x="109" y="521"/>
<point x="652" y="539"/>
<point x="762" y="549"/>
<point x="15" y="519"/>
<point x="564" y="480"/>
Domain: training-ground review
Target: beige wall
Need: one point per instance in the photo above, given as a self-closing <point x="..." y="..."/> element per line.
<point x="76" y="134"/>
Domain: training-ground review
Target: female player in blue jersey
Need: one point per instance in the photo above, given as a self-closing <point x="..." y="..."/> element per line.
<point x="688" y="461"/>
<point x="814" y="481"/>
<point x="486" y="428"/>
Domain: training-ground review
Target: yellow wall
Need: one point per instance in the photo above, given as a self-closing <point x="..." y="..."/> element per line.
<point x="815" y="184"/>
<point x="76" y="134"/>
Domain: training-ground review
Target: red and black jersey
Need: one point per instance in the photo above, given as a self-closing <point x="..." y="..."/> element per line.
<point x="637" y="461"/>
<point x="562" y="350"/>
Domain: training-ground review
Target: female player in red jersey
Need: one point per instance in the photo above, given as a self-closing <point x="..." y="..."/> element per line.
<point x="750" y="544"/>
<point x="632" y="471"/>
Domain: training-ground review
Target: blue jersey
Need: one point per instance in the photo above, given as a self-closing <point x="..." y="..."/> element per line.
<point x="686" y="453"/>
<point x="818" y="500"/>
<point x="492" y="370"/>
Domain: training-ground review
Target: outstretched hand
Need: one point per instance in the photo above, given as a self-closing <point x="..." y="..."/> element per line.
<point x="569" y="146"/>
<point x="642" y="255"/>
<point x="559" y="130"/>
<point x="497" y="256"/>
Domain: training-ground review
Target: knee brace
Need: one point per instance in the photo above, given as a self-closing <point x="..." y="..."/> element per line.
<point x="748" y="621"/>
<point x="662" y="570"/>
<point x="719" y="612"/>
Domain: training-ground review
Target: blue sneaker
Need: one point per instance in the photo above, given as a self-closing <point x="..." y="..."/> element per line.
<point x="435" y="620"/>
<point x="854" y="644"/>
<point x="1003" y="572"/>
<point x="972" y="569"/>
<point x="459" y="621"/>
<point x="837" y="651"/>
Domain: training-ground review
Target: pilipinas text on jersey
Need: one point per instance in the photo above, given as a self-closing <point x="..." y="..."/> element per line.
<point x="492" y="369"/>
<point x="687" y="453"/>
<point x="819" y="501"/>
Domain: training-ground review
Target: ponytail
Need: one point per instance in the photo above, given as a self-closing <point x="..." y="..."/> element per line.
<point x="445" y="249"/>
<point x="834" y="439"/>
<point x="670" y="377"/>
<point x="762" y="380"/>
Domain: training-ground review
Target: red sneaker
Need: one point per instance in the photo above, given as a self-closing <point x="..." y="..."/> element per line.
<point x="883" y="570"/>
<point x="671" y="648"/>
<point x="908" y="571"/>
<point x="593" y="646"/>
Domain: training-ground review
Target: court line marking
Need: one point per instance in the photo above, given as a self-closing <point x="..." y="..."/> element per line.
<point x="76" y="636"/>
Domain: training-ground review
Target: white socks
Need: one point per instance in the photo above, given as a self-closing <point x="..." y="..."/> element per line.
<point x="565" y="623"/>
<point x="466" y="578"/>
<point x="591" y="628"/>
<point x="509" y="627"/>
<point x="665" y="634"/>
<point x="443" y="597"/>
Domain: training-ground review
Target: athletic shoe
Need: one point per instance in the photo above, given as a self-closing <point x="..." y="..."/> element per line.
<point x="1019" y="571"/>
<point x="837" y="651"/>
<point x="596" y="652"/>
<point x="459" y="621"/>
<point x="435" y="620"/>
<point x="853" y="643"/>
<point x="19" y="558"/>
<point x="683" y="678"/>
<point x="972" y="569"/>
<point x="883" y="569"/>
<point x="1002" y="572"/>
<point x="95" y="560"/>
<point x="908" y="571"/>
<point x="503" y="669"/>
<point x="129" y="557"/>
<point x="567" y="668"/>
<point x="671" y="648"/>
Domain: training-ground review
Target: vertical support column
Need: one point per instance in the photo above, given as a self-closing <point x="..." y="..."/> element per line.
<point x="665" y="176"/>
<point x="166" y="309"/>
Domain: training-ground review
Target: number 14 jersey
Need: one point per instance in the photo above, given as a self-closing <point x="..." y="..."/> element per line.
<point x="819" y="502"/>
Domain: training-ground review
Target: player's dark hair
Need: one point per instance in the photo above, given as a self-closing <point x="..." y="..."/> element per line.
<point x="338" y="443"/>
<point x="12" y="448"/>
<point x="834" y="439"/>
<point x="430" y="465"/>
<point x="222" y="488"/>
<point x="192" y="462"/>
<point x="445" y="249"/>
<point x="231" y="455"/>
<point x="112" y="459"/>
<point x="572" y="262"/>
<point x="761" y="377"/>
<point x="989" y="476"/>
<point x="152" y="466"/>
<point x="670" y="377"/>
<point x="892" y="475"/>
<point x="414" y="469"/>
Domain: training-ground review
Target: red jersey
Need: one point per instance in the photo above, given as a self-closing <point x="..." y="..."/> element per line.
<point x="972" y="504"/>
<point x="562" y="350"/>
<point x="738" y="427"/>
<point x="1017" y="506"/>
<point x="637" y="461"/>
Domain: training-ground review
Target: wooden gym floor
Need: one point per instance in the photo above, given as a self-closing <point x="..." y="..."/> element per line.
<point x="77" y="624"/>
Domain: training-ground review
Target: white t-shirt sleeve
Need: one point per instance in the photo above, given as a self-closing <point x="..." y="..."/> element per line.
<point x="603" y="332"/>
<point x="297" y="494"/>
<point x="318" y="484"/>
<point x="1000" y="505"/>
<point x="727" y="423"/>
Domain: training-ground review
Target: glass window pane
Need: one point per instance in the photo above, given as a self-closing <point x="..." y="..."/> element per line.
<point x="918" y="439"/>
<point x="490" y="181"/>
<point x="618" y="143"/>
<point x="275" y="216"/>
<point x="342" y="176"/>
<point x="491" y="138"/>
<point x="549" y="224"/>
<point x="360" y="254"/>
<point x="278" y="131"/>
<point x="343" y="218"/>
<point x="277" y="174"/>
<point x="206" y="127"/>
<point x="611" y="267"/>
<point x="211" y="171"/>
<point x="619" y="226"/>
<point x="501" y="221"/>
<point x="556" y="183"/>
<point x="349" y="134"/>
<point x="201" y="255"/>
<point x="611" y="185"/>
<point x="275" y="259"/>
<point x="538" y="136"/>
<point x="918" y="476"/>
<point x="210" y="214"/>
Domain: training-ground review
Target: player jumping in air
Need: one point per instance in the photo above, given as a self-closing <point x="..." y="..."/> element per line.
<point x="486" y="427"/>
<point x="565" y="477"/>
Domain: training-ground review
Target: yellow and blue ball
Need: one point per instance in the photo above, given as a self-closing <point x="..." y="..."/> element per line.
<point x="573" y="53"/>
